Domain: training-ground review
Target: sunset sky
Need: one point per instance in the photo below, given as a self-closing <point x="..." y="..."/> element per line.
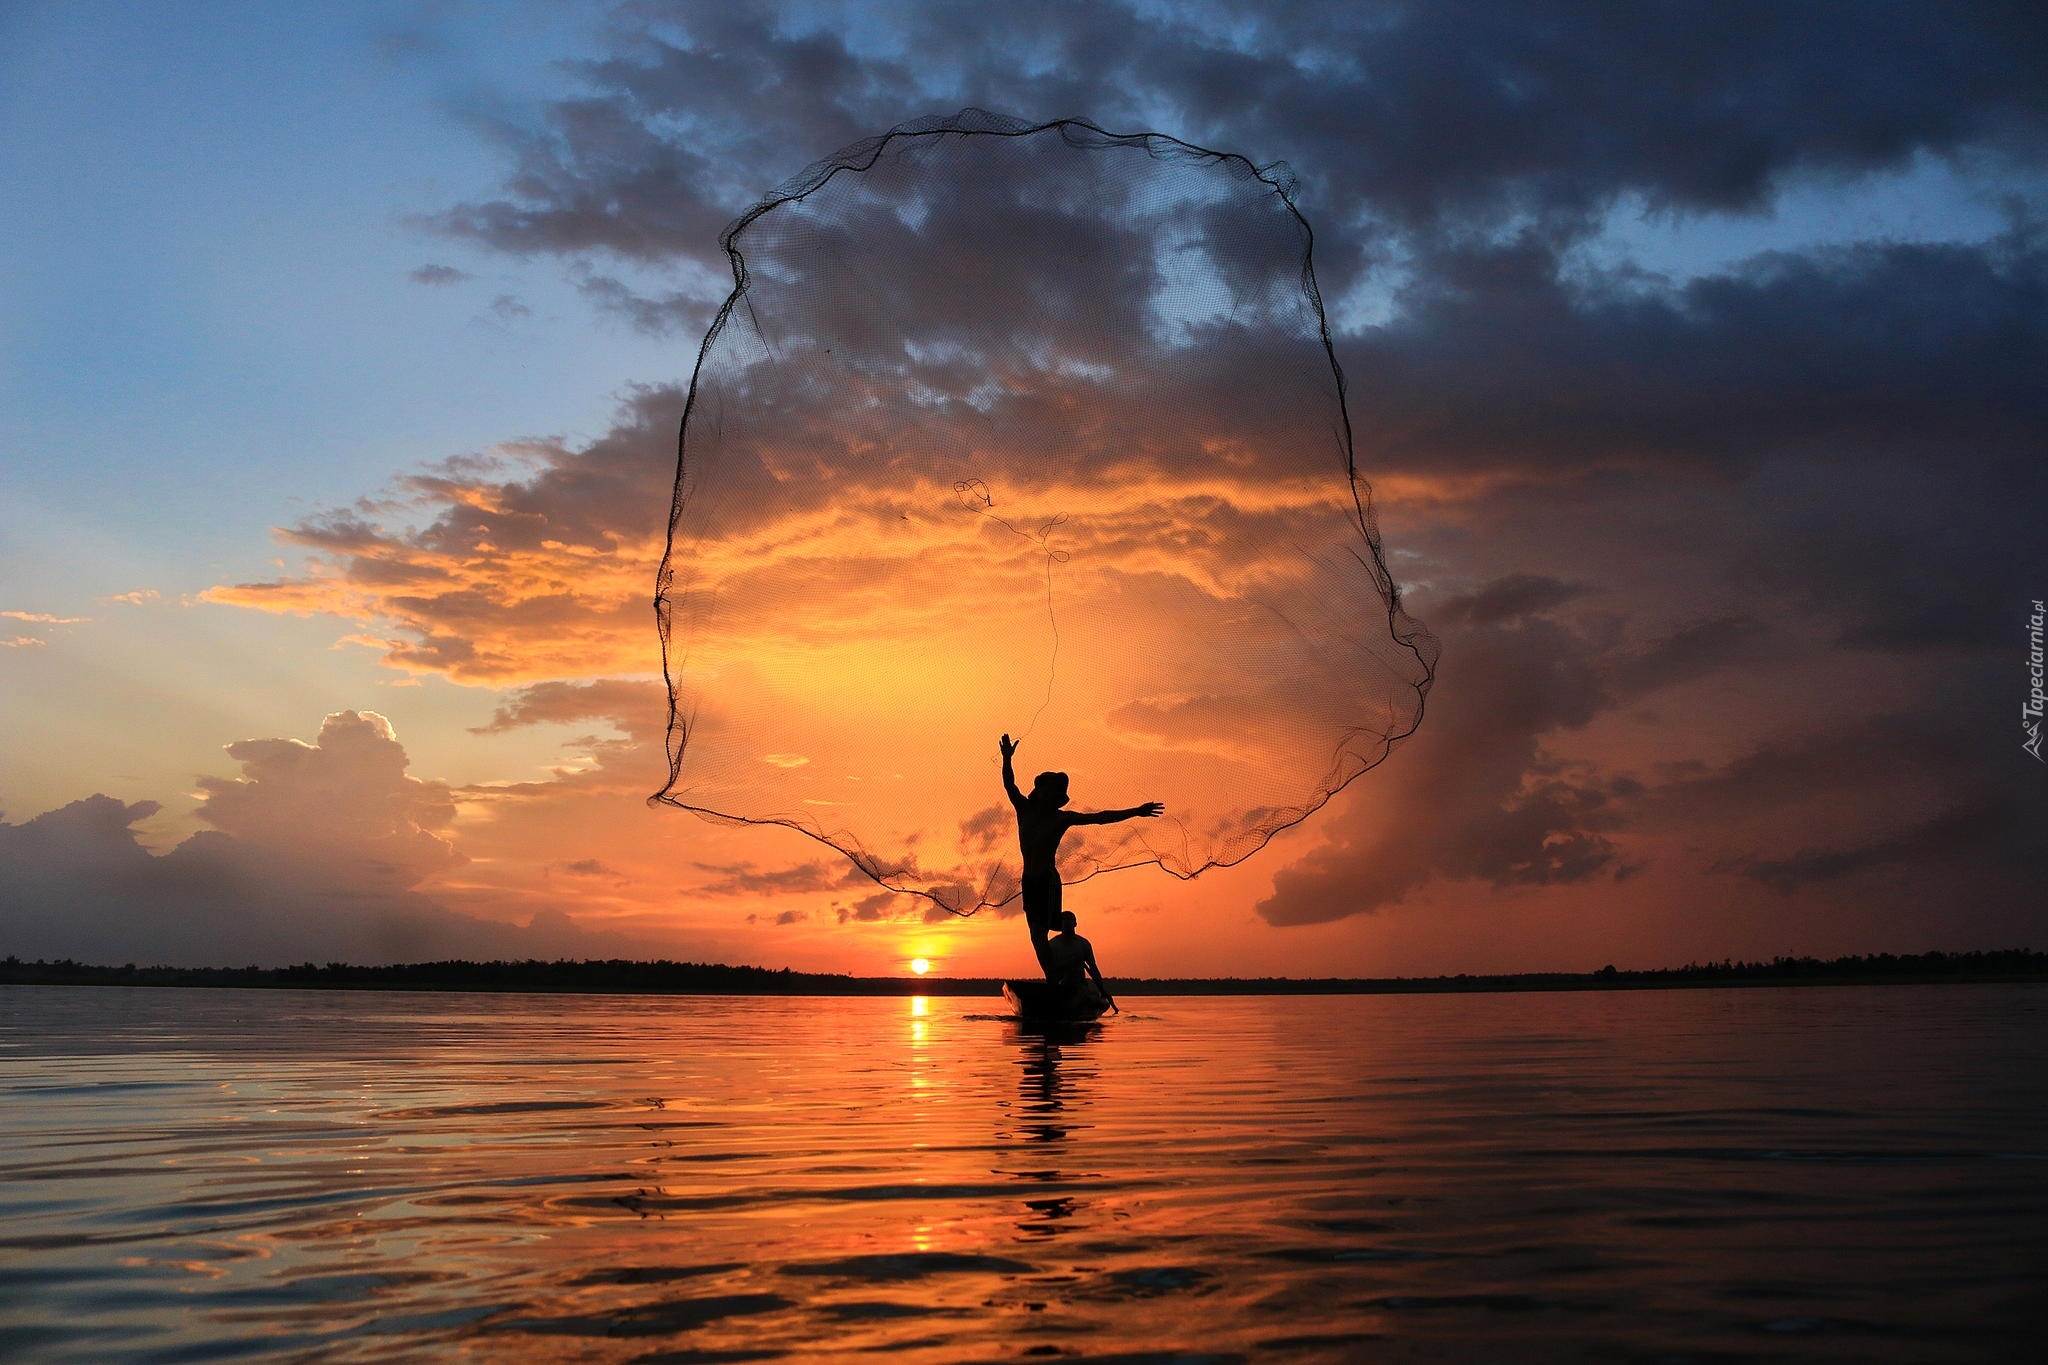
<point x="1695" y="357"/>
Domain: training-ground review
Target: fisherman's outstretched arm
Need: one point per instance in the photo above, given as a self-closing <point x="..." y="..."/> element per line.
<point x="1150" y="810"/>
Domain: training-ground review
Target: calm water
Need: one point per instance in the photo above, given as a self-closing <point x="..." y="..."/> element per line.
<point x="1846" y="1174"/>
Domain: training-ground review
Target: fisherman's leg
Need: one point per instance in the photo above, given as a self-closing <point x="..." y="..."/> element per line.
<point x="1037" y="918"/>
<point x="1041" y="948"/>
<point x="1041" y="933"/>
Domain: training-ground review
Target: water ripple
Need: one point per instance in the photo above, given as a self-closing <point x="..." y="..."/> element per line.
<point x="1849" y="1174"/>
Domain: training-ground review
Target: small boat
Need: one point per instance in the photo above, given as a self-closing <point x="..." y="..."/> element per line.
<point x="1041" y="1001"/>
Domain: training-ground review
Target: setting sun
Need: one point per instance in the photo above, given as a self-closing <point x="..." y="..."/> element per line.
<point x="920" y="965"/>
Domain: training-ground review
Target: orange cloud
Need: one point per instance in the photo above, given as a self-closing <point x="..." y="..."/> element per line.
<point x="42" y="619"/>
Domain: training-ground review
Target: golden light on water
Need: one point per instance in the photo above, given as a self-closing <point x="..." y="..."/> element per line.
<point x="920" y="965"/>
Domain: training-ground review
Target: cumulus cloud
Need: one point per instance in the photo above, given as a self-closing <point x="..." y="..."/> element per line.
<point x="344" y="801"/>
<point x="439" y="275"/>
<point x="317" y="851"/>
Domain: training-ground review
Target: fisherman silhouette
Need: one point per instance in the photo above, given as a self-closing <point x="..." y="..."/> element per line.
<point x="1070" y="962"/>
<point x="1042" y="821"/>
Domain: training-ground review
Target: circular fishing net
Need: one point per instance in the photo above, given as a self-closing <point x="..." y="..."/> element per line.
<point x="1025" y="428"/>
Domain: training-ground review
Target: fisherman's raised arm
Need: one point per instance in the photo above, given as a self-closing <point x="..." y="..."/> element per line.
<point x="1009" y="748"/>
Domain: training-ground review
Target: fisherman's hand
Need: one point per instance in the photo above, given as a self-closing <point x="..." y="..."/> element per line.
<point x="1009" y="746"/>
<point x="1151" y="810"/>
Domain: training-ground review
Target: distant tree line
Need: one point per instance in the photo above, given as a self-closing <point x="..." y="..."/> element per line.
<point x="615" y="975"/>
<point x="664" y="977"/>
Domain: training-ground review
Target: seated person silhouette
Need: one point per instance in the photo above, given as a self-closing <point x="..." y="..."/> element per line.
<point x="1070" y="962"/>
<point x="1042" y="821"/>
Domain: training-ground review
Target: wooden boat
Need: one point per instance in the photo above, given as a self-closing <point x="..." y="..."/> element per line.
<point x="1041" y="1001"/>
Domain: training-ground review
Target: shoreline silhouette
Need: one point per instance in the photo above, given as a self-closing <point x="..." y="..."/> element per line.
<point x="2012" y="966"/>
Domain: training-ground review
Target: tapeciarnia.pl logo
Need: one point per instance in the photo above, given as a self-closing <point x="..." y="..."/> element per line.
<point x="2030" y="714"/>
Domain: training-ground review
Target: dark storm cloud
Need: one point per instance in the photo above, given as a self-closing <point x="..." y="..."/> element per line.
<point x="1475" y="793"/>
<point x="1692" y="651"/>
<point x="850" y="273"/>
<point x="1500" y="359"/>
<point x="1919" y="796"/>
<point x="1894" y="749"/>
<point x="1921" y="552"/>
<point x="1960" y="832"/>
<point x="1505" y="599"/>
<point x="1421" y="116"/>
<point x="1955" y="826"/>
<point x="1476" y="111"/>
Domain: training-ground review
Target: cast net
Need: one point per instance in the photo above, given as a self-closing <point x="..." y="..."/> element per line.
<point x="1025" y="428"/>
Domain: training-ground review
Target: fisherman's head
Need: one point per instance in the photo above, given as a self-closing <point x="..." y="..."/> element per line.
<point x="1068" y="923"/>
<point x="1050" y="789"/>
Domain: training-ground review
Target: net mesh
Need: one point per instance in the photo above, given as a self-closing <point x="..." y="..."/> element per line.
<point x="1031" y="428"/>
